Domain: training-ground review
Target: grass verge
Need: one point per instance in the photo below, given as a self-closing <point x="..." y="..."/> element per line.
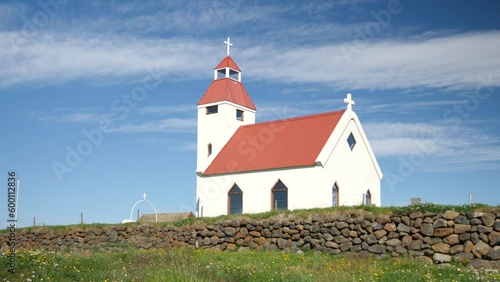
<point x="185" y="264"/>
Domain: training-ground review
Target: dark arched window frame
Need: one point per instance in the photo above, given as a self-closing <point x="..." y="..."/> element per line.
<point x="235" y="200"/>
<point x="279" y="196"/>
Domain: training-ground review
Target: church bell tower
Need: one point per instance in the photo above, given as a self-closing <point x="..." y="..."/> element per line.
<point x="223" y="108"/>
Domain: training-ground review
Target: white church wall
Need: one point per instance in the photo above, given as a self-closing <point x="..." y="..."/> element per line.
<point x="354" y="170"/>
<point x="217" y="128"/>
<point x="308" y="187"/>
<point x="304" y="190"/>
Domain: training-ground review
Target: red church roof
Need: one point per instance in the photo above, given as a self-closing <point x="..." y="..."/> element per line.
<point x="276" y="144"/>
<point x="227" y="89"/>
<point x="228" y="62"/>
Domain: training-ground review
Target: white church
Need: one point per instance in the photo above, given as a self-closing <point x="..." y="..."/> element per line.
<point x="313" y="161"/>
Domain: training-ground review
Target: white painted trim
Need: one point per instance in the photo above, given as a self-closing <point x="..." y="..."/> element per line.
<point x="228" y="103"/>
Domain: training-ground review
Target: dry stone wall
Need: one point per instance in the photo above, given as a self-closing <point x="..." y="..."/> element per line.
<point x="440" y="237"/>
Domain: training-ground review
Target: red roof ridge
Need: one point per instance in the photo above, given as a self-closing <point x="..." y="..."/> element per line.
<point x="295" y="118"/>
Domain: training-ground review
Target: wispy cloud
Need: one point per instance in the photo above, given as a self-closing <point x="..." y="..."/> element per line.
<point x="74" y="117"/>
<point x="164" y="125"/>
<point x="167" y="110"/>
<point x="389" y="64"/>
<point x="443" y="147"/>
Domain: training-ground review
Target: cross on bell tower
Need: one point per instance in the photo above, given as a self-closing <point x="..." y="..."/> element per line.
<point x="229" y="44"/>
<point x="349" y="101"/>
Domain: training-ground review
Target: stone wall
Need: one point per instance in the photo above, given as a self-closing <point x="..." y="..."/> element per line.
<point x="440" y="237"/>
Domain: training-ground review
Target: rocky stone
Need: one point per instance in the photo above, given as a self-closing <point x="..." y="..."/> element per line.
<point x="456" y="249"/>
<point x="390" y="227"/>
<point x="462" y="219"/>
<point x="396" y="219"/>
<point x="451" y="239"/>
<point x="234" y="223"/>
<point x="476" y="221"/>
<point x="497" y="226"/>
<point x="483" y="237"/>
<point x="341" y="225"/>
<point x="231" y="247"/>
<point x="474" y="237"/>
<point x="427" y="229"/>
<point x="484" y="264"/>
<point x="380" y="233"/>
<point x="441" y="258"/>
<point x="230" y="231"/>
<point x="488" y="219"/>
<point x="443" y="232"/>
<point x="484" y="229"/>
<point x="440" y="223"/>
<point x="416" y="215"/>
<point x="450" y="215"/>
<point x="494" y="238"/>
<point x="254" y="234"/>
<point x="376" y="249"/>
<point x="468" y="246"/>
<point x="371" y="239"/>
<point x="426" y="260"/>
<point x="441" y="248"/>
<point x="340" y="239"/>
<point x="494" y="253"/>
<point x="463" y="257"/>
<point x="393" y="242"/>
<point x="331" y="244"/>
<point x="461" y="228"/>
<point x="416" y="245"/>
<point x="406" y="240"/>
<point x="403" y="228"/>
<point x="328" y="236"/>
<point x="482" y="248"/>
<point x="418" y="222"/>
<point x="382" y="219"/>
<point x="345" y="246"/>
<point x="464" y="237"/>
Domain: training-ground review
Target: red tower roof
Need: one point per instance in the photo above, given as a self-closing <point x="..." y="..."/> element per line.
<point x="227" y="89"/>
<point x="228" y="62"/>
<point x="275" y="144"/>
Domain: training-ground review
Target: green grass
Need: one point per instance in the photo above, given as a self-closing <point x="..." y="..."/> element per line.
<point x="185" y="264"/>
<point x="305" y="213"/>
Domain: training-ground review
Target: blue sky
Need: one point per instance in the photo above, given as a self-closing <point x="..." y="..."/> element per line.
<point x="424" y="75"/>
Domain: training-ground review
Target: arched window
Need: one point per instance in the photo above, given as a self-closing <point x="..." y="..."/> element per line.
<point x="335" y="195"/>
<point x="235" y="200"/>
<point x="279" y="196"/>
<point x="209" y="149"/>
<point x="368" y="198"/>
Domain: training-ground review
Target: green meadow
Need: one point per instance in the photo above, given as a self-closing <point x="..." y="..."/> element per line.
<point x="187" y="264"/>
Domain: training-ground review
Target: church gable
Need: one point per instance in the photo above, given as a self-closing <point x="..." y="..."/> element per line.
<point x="294" y="142"/>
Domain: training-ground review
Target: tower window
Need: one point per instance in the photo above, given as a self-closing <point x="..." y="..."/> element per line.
<point x="351" y="141"/>
<point x="239" y="115"/>
<point x="233" y="74"/>
<point x="212" y="110"/>
<point x="221" y="73"/>
<point x="209" y="149"/>
<point x="279" y="196"/>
